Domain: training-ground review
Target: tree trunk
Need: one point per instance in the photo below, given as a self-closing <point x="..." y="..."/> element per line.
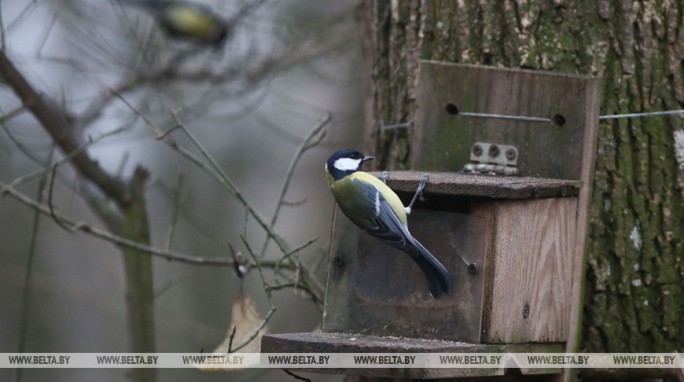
<point x="633" y="300"/>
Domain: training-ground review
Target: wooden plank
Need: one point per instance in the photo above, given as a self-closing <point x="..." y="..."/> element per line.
<point x="320" y="342"/>
<point x="486" y="186"/>
<point x="591" y="124"/>
<point x="376" y="289"/>
<point x="546" y="150"/>
<point x="533" y="255"/>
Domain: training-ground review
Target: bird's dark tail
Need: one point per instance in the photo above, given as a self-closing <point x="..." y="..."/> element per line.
<point x="438" y="278"/>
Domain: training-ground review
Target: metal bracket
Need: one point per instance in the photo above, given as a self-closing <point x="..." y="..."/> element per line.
<point x="493" y="159"/>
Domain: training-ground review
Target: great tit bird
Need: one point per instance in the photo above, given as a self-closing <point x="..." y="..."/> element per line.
<point x="184" y="20"/>
<point x="374" y="207"/>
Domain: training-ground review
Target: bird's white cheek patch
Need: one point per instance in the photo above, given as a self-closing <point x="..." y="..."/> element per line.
<point x="346" y="164"/>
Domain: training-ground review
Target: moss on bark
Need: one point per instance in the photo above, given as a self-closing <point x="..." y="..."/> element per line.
<point x="633" y="298"/>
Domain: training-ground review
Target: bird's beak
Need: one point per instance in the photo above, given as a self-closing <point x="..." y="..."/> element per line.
<point x="367" y="158"/>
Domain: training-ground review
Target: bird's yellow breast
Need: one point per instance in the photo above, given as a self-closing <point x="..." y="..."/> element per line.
<point x="346" y="191"/>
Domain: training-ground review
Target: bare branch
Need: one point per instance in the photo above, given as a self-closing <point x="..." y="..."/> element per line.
<point x="69" y="156"/>
<point x="115" y="239"/>
<point x="175" y="207"/>
<point x="12" y="114"/>
<point x="26" y="297"/>
<point x="268" y="296"/>
<point x="230" y="342"/>
<point x="309" y="141"/>
<point x="306" y="144"/>
<point x="55" y="122"/>
<point x="212" y="168"/>
<point x="295" y="376"/>
<point x="96" y="107"/>
<point x="118" y="240"/>
<point x="258" y="329"/>
<point x="296" y="250"/>
<point x="50" y="205"/>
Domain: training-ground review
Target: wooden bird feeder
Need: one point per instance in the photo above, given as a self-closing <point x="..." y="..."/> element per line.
<point x="506" y="213"/>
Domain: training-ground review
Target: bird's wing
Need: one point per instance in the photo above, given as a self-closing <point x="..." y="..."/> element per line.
<point x="387" y="225"/>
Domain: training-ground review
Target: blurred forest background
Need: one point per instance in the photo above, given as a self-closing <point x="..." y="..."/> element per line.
<point x="286" y="67"/>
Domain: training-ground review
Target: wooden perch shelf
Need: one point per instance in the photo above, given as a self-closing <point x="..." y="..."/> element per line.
<point x="485" y="186"/>
<point x="321" y="342"/>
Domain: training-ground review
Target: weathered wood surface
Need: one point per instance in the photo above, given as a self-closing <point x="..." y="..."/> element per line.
<point x="533" y="270"/>
<point x="319" y="342"/>
<point x="376" y="289"/>
<point x="443" y="138"/>
<point x="485" y="186"/>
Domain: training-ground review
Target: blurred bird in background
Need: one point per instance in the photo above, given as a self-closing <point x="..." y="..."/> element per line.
<point x="188" y="21"/>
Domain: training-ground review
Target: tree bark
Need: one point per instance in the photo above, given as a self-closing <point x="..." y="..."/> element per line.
<point x="129" y="197"/>
<point x="633" y="300"/>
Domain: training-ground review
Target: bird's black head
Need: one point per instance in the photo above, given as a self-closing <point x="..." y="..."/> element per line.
<point x="345" y="162"/>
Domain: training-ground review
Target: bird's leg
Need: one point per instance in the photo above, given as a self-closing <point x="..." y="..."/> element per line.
<point x="419" y="192"/>
<point x="383" y="176"/>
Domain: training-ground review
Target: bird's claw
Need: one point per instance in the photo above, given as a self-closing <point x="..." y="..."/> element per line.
<point x="419" y="192"/>
<point x="424" y="178"/>
<point x="384" y="176"/>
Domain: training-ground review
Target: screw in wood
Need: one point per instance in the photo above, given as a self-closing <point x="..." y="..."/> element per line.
<point x="510" y="154"/>
<point x="526" y="311"/>
<point x="472" y="268"/>
<point x="477" y="150"/>
<point x="338" y="261"/>
<point x="494" y="151"/>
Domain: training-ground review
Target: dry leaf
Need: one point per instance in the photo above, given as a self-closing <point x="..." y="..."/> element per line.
<point x="246" y="320"/>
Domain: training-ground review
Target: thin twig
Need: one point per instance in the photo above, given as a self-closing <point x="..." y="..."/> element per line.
<point x="61" y="130"/>
<point x="230" y="340"/>
<point x="118" y="240"/>
<point x="12" y="114"/>
<point x="230" y="186"/>
<point x="115" y="239"/>
<point x="96" y="107"/>
<point x="25" y="150"/>
<point x="26" y="292"/>
<point x="212" y="168"/>
<point x="312" y="139"/>
<point x="66" y="158"/>
<point x="174" y="212"/>
<point x="280" y="286"/>
<point x="303" y="147"/>
<point x="268" y="296"/>
<point x="294" y="251"/>
<point x="295" y="376"/>
<point x="258" y="330"/>
<point x="295" y="203"/>
<point x="50" y="204"/>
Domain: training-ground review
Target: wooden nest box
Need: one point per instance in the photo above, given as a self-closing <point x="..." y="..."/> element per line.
<point x="509" y="155"/>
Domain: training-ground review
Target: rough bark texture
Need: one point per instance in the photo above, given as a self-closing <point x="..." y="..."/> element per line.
<point x="634" y="298"/>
